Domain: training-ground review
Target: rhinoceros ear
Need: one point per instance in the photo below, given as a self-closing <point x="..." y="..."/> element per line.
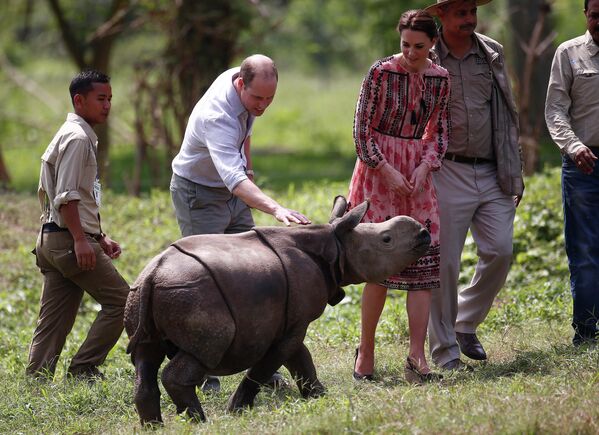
<point x="339" y="208"/>
<point x="351" y="219"/>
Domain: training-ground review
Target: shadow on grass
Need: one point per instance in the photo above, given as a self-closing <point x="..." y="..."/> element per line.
<point x="533" y="362"/>
<point x="541" y="361"/>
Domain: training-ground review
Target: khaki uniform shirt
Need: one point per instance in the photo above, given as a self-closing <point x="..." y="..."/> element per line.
<point x="572" y="105"/>
<point x="68" y="173"/>
<point x="470" y="106"/>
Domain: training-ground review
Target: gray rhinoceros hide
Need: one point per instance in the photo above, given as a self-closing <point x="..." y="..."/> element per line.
<point x="220" y="304"/>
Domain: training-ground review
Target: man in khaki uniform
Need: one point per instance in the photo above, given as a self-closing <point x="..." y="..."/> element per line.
<point x="479" y="184"/>
<point x="73" y="253"/>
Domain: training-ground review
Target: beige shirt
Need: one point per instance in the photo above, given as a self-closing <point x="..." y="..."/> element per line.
<point x="470" y="102"/>
<point x="68" y="173"/>
<point x="572" y="105"/>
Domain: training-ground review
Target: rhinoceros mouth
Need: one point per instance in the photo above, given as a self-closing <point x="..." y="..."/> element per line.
<point x="423" y="241"/>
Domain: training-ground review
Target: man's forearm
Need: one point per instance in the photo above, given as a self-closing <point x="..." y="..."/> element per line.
<point x="70" y="215"/>
<point x="254" y="197"/>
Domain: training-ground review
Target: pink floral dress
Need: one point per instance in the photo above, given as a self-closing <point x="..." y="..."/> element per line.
<point x="402" y="118"/>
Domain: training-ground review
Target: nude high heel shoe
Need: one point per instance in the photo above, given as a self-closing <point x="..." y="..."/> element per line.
<point x="415" y="376"/>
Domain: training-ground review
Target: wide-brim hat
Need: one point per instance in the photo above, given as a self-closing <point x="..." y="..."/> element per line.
<point x="434" y="9"/>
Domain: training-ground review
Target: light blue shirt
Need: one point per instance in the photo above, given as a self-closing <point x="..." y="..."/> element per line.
<point x="212" y="151"/>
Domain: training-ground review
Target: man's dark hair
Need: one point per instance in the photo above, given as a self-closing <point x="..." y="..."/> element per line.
<point x="586" y="5"/>
<point x="83" y="82"/>
<point x="418" y="20"/>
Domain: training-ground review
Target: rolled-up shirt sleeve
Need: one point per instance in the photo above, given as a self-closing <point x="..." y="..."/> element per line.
<point x="73" y="163"/>
<point x="559" y="103"/>
<point x="222" y="142"/>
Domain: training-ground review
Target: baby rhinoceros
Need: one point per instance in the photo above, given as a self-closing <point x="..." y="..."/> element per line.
<point x="219" y="304"/>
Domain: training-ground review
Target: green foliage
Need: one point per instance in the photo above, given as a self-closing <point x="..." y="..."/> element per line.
<point x="569" y="19"/>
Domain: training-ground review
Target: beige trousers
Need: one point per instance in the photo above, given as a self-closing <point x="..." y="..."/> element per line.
<point x="64" y="284"/>
<point x="469" y="198"/>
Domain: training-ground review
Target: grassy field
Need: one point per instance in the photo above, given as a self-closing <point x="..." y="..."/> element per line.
<point x="534" y="381"/>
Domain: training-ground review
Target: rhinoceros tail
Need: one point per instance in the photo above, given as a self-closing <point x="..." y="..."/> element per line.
<point x="145" y="286"/>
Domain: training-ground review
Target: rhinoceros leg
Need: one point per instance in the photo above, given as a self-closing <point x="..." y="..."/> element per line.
<point x="250" y="385"/>
<point x="244" y="395"/>
<point x="147" y="358"/>
<point x="180" y="377"/>
<point x="302" y="369"/>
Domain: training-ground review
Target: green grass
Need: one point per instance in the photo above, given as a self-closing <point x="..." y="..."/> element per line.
<point x="534" y="382"/>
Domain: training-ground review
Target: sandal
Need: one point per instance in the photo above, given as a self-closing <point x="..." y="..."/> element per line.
<point x="415" y="376"/>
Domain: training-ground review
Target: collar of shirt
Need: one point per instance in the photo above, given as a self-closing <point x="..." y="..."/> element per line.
<point x="233" y="98"/>
<point x="444" y="50"/>
<point x="591" y="44"/>
<point x="89" y="131"/>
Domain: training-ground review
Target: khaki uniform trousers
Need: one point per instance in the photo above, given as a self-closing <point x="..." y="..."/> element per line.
<point x="469" y="198"/>
<point x="64" y="284"/>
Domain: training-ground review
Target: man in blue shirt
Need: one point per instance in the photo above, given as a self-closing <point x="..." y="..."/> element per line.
<point x="212" y="184"/>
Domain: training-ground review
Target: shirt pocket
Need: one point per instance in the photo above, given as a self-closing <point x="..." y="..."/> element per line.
<point x="482" y="84"/>
<point x="91" y="161"/>
<point x="585" y="83"/>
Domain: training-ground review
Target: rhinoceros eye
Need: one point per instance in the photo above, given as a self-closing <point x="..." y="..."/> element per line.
<point x="386" y="238"/>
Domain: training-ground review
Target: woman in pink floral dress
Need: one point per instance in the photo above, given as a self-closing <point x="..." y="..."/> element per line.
<point x="400" y="132"/>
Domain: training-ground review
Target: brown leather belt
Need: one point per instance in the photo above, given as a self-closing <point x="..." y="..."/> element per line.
<point x="463" y="159"/>
<point x="51" y="227"/>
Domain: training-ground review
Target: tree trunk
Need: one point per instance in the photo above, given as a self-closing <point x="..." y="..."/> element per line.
<point x="532" y="36"/>
<point x="94" y="54"/>
<point x="202" y="39"/>
<point x="4" y="175"/>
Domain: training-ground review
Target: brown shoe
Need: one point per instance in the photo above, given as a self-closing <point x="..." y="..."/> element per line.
<point x="456" y="365"/>
<point x="470" y="346"/>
